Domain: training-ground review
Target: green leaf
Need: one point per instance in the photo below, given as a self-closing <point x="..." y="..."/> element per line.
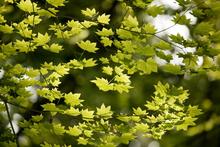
<point x="86" y="114"/>
<point x="103" y="19"/>
<point x="56" y="3"/>
<point x="74" y="131"/>
<point x="188" y="121"/>
<point x="118" y="70"/>
<point x="155" y="10"/>
<point x="163" y="45"/>
<point x="208" y="62"/>
<point x="72" y="112"/>
<point x="194" y="111"/>
<point x="61" y="69"/>
<point x="22" y="45"/>
<point x="56" y="48"/>
<point x="72" y="99"/>
<point x="124" y="34"/>
<point x="140" y="3"/>
<point x="181" y="19"/>
<point x="105" y="32"/>
<point x="126" y="137"/>
<point x="82" y="141"/>
<point x="33" y="20"/>
<point x="6" y="29"/>
<point x="88" y="133"/>
<point x="51" y="13"/>
<point x="58" y="129"/>
<point x="89" y="62"/>
<point x="54" y="79"/>
<point x="203" y="28"/>
<point x="106" y="41"/>
<point x="177" y="38"/>
<point x="89" y="12"/>
<point x="182" y="97"/>
<point x="152" y="106"/>
<point x="190" y="62"/>
<point x="122" y="78"/>
<point x="2" y="107"/>
<point x="2" y="19"/>
<point x="141" y="127"/>
<point x="104" y="60"/>
<point x="48" y="94"/>
<point x="88" y="24"/>
<point x="27" y="6"/>
<point x="104" y="111"/>
<point x="107" y="70"/>
<point x="184" y="3"/>
<point x="103" y="84"/>
<point x="161" y="89"/>
<point x="122" y="87"/>
<point x="124" y="118"/>
<point x="149" y="28"/>
<point x="148" y="66"/>
<point x="42" y="39"/>
<point x="130" y="22"/>
<point x="139" y="111"/>
<point x="173" y="69"/>
<point x="88" y="46"/>
<point x="50" y="107"/>
<point x="24" y="30"/>
<point x="162" y="55"/>
<point x="75" y="64"/>
<point x="128" y="46"/>
<point x="146" y="50"/>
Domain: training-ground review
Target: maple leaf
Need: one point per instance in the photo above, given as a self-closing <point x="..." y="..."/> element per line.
<point x="103" y="19"/>
<point x="88" y="46"/>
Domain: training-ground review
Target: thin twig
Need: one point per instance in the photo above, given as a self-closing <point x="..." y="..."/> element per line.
<point x="171" y="43"/>
<point x="152" y="34"/>
<point x="10" y="122"/>
<point x="191" y="7"/>
<point x="165" y="29"/>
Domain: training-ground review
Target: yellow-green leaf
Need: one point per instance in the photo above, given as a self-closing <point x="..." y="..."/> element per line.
<point x="103" y="19"/>
<point x="88" y="46"/>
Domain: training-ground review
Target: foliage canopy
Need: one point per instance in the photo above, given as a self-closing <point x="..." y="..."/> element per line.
<point x="41" y="46"/>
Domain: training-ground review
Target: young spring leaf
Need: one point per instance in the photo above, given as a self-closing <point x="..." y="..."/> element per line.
<point x="103" y="19"/>
<point x="87" y="115"/>
<point x="42" y="39"/>
<point x="107" y="70"/>
<point x="28" y="6"/>
<point x="148" y="66"/>
<point x="89" y="12"/>
<point x="155" y="10"/>
<point x="104" y="111"/>
<point x="106" y="41"/>
<point x="88" y="46"/>
<point x="130" y="22"/>
<point x="103" y="84"/>
<point x="6" y="29"/>
<point x="72" y="99"/>
<point x="105" y="32"/>
<point x="74" y="131"/>
<point x="56" y="48"/>
<point x="56" y="3"/>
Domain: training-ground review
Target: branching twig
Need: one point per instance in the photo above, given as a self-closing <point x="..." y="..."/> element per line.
<point x="188" y="9"/>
